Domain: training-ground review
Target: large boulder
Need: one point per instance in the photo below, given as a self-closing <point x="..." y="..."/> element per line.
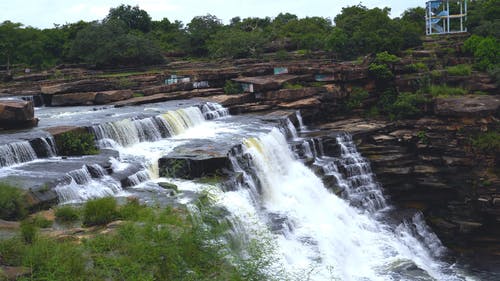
<point x="198" y="159"/>
<point x="17" y="114"/>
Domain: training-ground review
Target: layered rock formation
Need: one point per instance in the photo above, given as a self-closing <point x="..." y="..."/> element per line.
<point x="16" y="114"/>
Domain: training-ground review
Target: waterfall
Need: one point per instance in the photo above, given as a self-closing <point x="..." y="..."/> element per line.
<point x="16" y="153"/>
<point x="213" y="110"/>
<point x="353" y="176"/>
<point x="319" y="235"/>
<point x="302" y="128"/>
<point x="49" y="145"/>
<point x="128" y="132"/>
<point x="86" y="183"/>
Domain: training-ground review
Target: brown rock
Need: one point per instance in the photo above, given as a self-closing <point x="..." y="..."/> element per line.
<point x="112" y="96"/>
<point x="15" y="114"/>
<point x="86" y="98"/>
<point x="229" y="100"/>
<point x="468" y="106"/>
<point x="289" y="94"/>
<point x="88" y="85"/>
<point x="13" y="272"/>
<point x="305" y="103"/>
<point x="9" y="224"/>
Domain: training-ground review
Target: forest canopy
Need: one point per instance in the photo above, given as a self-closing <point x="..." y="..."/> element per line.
<point x="128" y="36"/>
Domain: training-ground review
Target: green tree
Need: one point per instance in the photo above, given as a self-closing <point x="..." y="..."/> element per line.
<point x="133" y="17"/>
<point x="359" y="30"/>
<point x="109" y="45"/>
<point x="484" y="18"/>
<point x="236" y="43"/>
<point x="9" y="42"/>
<point x="170" y="36"/>
<point x="200" y="29"/>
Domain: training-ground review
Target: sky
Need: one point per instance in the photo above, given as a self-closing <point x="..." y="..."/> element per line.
<point x="46" y="13"/>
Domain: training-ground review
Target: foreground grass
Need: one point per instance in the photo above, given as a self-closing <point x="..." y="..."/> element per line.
<point x="150" y="244"/>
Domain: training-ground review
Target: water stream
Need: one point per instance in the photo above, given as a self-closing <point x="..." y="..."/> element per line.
<point x="311" y="230"/>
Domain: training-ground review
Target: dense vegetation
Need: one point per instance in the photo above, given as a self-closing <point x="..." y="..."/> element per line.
<point x="76" y="143"/>
<point x="128" y="36"/>
<point x="148" y="243"/>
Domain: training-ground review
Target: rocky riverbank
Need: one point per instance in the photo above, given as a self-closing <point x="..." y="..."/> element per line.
<point x="432" y="162"/>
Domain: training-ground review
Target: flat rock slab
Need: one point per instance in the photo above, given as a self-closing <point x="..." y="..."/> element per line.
<point x="355" y="126"/>
<point x="468" y="106"/>
<point x="197" y="159"/>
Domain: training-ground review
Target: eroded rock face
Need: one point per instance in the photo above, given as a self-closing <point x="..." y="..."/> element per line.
<point x="17" y="114"/>
<point x="429" y="164"/>
<point x="468" y="106"/>
<point x="87" y="85"/>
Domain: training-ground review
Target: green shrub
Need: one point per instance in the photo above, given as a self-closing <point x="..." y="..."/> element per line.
<point x="100" y="211"/>
<point x="488" y="142"/>
<point x="67" y="214"/>
<point x="282" y="55"/>
<point x="485" y="51"/>
<point x="356" y="98"/>
<point x="12" y="251"/>
<point x="137" y="95"/>
<point x="133" y="211"/>
<point x="50" y="259"/>
<point x="380" y="72"/>
<point x="232" y="88"/>
<point x="29" y="231"/>
<point x="436" y="73"/>
<point x="416" y="67"/>
<point x="76" y="143"/>
<point x="444" y="90"/>
<point x="386" y="58"/>
<point x="40" y="221"/>
<point x="407" y="105"/>
<point x="459" y="70"/>
<point x="291" y="86"/>
<point x="12" y="203"/>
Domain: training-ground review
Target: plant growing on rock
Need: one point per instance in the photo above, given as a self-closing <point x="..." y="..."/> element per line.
<point x="76" y="143"/>
<point x="232" y="88"/>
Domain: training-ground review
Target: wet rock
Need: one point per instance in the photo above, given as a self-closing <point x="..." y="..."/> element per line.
<point x="168" y="185"/>
<point x="195" y="160"/>
<point x="17" y="114"/>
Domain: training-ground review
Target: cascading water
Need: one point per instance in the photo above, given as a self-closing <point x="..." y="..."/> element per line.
<point x="16" y="153"/>
<point x="213" y="110"/>
<point x="320" y="236"/>
<point x="138" y="141"/>
<point x="87" y="183"/>
<point x="315" y="234"/>
<point x="128" y="132"/>
<point x="353" y="175"/>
